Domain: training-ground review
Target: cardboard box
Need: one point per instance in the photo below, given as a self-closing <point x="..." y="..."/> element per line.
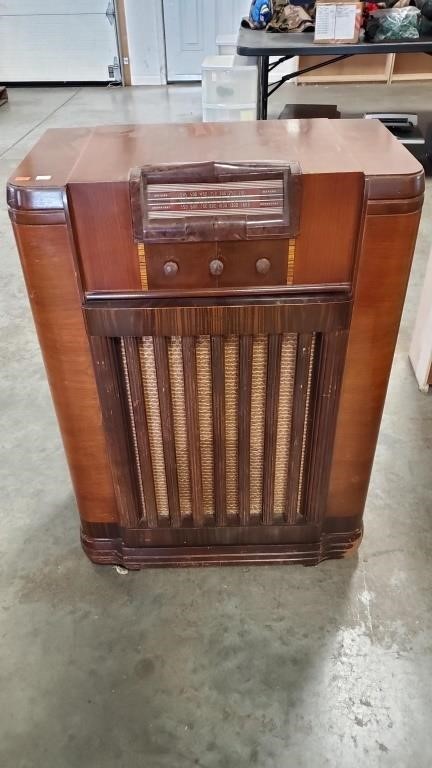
<point x="337" y="22"/>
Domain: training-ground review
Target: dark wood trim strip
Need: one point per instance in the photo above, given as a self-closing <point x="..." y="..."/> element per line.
<point x="329" y="381"/>
<point x="383" y="187"/>
<point x="113" y="402"/>
<point x="36" y="218"/>
<point x="192" y="426"/>
<point x="270" y="424"/>
<point x="244" y="426"/>
<point x="218" y="387"/>
<point x="32" y="199"/>
<point x="141" y="429"/>
<point x="251" y="318"/>
<point x="298" y="425"/>
<point x="167" y="426"/>
<point x="219" y="293"/>
<point x="296" y="532"/>
<point x="396" y="207"/>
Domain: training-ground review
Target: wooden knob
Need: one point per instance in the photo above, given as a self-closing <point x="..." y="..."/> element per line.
<point x="170" y="268"/>
<point x="262" y="266"/>
<point x="216" y="267"/>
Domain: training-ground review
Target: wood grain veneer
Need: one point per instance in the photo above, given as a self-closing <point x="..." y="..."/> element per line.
<point x="48" y="268"/>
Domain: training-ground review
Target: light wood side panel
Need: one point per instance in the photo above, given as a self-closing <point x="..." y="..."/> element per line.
<point x="383" y="272"/>
<point x="49" y="273"/>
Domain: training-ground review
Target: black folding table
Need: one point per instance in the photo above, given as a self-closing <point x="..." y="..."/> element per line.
<point x="286" y="45"/>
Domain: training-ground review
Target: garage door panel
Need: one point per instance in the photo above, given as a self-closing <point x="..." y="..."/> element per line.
<point x="54" y="48"/>
<point x="51" y="7"/>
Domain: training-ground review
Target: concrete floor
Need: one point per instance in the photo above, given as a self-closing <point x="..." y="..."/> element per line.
<point x="230" y="668"/>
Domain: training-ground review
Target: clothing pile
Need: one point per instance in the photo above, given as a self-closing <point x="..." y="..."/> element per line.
<point x="382" y="20"/>
<point x="280" y="16"/>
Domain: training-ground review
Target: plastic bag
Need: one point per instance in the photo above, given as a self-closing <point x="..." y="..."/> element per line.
<point x="393" y="24"/>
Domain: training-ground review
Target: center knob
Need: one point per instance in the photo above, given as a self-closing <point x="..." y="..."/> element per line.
<point x="170" y="268"/>
<point x="216" y="267"/>
<point x="262" y="266"/>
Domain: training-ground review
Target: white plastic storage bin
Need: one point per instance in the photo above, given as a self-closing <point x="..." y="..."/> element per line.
<point x="226" y="45"/>
<point x="228" y="84"/>
<point x="220" y="114"/>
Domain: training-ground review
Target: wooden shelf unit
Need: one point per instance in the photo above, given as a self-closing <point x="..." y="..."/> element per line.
<point x="369" y="68"/>
<point x="411" y="66"/>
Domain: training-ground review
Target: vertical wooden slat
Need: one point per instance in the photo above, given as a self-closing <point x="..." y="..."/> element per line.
<point x="115" y="416"/>
<point x="192" y="425"/>
<point x="167" y="425"/>
<point x="284" y="420"/>
<point x="304" y="353"/>
<point x="244" y="426"/>
<point x="141" y="428"/>
<point x="218" y="384"/>
<point x="331" y="363"/>
<point x="132" y="430"/>
<point x="270" y="425"/>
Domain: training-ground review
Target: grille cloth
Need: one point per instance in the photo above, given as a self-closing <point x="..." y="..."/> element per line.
<point x="204" y="407"/>
<point x="175" y="359"/>
<point x="151" y="400"/>
<point x="204" y="382"/>
<point x="231" y="423"/>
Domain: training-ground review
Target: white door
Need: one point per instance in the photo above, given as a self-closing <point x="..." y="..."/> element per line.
<point x="191" y="28"/>
<point x="58" y="41"/>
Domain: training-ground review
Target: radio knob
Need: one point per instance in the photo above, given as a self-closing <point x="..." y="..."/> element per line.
<point x="262" y="266"/>
<point x="216" y="267"/>
<point x="170" y="268"/>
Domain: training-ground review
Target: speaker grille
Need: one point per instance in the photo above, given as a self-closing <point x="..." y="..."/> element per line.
<point x="225" y="467"/>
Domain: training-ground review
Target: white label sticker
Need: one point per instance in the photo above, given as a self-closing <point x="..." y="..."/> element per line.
<point x="43" y="178"/>
<point x="325" y="22"/>
<point x="345" y="22"/>
<point x="335" y="22"/>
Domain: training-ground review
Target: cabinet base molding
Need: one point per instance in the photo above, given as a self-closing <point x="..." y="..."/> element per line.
<point x="114" y="551"/>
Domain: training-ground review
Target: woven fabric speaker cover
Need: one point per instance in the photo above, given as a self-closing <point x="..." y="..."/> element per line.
<point x="218" y="306"/>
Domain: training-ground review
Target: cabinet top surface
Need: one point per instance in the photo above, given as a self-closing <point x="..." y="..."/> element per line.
<point x="108" y="153"/>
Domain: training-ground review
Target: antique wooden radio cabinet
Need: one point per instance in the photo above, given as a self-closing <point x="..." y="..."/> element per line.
<point x="217" y="307"/>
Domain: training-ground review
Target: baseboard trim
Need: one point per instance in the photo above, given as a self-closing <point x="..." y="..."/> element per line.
<point x="112" y="551"/>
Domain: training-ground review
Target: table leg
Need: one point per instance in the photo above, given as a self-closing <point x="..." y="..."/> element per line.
<point x="263" y="72"/>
